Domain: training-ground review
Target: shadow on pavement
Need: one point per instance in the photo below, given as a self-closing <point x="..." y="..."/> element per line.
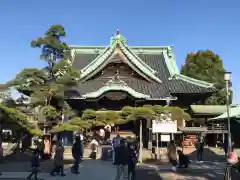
<point x="144" y="174"/>
<point x="197" y="174"/>
<point x="208" y="155"/>
<point x="191" y="175"/>
<point x="20" y="162"/>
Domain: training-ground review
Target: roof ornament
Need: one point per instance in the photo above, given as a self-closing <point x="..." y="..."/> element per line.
<point x="169" y="52"/>
<point x="116" y="80"/>
<point x="118" y="38"/>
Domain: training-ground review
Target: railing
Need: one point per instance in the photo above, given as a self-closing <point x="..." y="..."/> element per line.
<point x="220" y="127"/>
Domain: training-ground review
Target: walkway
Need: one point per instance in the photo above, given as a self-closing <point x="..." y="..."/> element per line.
<point x="102" y="170"/>
<point x="89" y="169"/>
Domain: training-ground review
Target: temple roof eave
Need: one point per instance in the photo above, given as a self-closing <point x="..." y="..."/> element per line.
<point x="116" y="87"/>
<point x="194" y="81"/>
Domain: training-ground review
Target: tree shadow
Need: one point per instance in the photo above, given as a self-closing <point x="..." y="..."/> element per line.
<point x="197" y="174"/>
<point x="21" y="162"/>
<point x="190" y="174"/>
<point x="208" y="155"/>
<point x="212" y="168"/>
<point x="144" y="174"/>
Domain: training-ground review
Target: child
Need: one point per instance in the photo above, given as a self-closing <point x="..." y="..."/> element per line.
<point x="183" y="159"/>
<point x="94" y="147"/>
<point x="35" y="162"/>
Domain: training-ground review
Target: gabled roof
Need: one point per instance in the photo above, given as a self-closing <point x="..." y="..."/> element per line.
<point x="132" y="60"/>
<point x="158" y="63"/>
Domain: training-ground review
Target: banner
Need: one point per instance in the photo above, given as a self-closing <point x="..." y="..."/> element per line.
<point x="159" y="126"/>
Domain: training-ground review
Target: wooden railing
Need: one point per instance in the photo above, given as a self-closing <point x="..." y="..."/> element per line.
<point x="220" y="127"/>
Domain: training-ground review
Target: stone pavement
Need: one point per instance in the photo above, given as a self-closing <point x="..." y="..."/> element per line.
<point x="196" y="171"/>
<point x="89" y="169"/>
<point x="104" y="170"/>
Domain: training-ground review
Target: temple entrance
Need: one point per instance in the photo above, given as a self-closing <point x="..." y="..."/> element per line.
<point x="115" y="101"/>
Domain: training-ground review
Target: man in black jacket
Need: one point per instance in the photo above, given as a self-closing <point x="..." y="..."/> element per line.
<point x="121" y="160"/>
<point x="77" y="153"/>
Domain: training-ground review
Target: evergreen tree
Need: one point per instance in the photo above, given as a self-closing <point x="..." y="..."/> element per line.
<point x="207" y="66"/>
<point x="46" y="86"/>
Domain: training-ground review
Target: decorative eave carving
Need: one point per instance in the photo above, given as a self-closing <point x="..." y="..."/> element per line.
<point x="116" y="84"/>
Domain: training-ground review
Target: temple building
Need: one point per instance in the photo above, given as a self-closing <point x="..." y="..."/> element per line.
<point x="120" y="75"/>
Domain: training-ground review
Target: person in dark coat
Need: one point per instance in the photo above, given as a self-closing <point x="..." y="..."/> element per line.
<point x="132" y="161"/>
<point x="183" y="159"/>
<point x="77" y="153"/>
<point x="35" y="163"/>
<point x="58" y="160"/>
<point x="200" y="148"/>
<point x="172" y="155"/>
<point x="121" y="160"/>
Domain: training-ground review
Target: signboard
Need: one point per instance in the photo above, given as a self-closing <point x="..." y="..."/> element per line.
<point x="165" y="138"/>
<point x="166" y="126"/>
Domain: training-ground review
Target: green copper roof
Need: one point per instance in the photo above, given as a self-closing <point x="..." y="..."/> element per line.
<point x="234" y="113"/>
<point x="175" y="73"/>
<point x="116" y="85"/>
<point x="208" y="109"/>
<point x="157" y="63"/>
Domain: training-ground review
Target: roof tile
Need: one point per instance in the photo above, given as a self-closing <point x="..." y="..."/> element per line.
<point x="155" y="90"/>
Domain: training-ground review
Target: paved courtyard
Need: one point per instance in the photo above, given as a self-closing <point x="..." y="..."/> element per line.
<point x="17" y="168"/>
<point x="103" y="170"/>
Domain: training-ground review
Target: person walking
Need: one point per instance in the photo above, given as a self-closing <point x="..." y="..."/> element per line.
<point x="232" y="156"/>
<point x="115" y="144"/>
<point x="226" y="146"/>
<point x="40" y="147"/>
<point x="121" y="160"/>
<point x="47" y="148"/>
<point x="132" y="161"/>
<point x="35" y="163"/>
<point x="172" y="155"/>
<point x="77" y="153"/>
<point x="200" y="149"/>
<point x="59" y="160"/>
<point x="94" y="148"/>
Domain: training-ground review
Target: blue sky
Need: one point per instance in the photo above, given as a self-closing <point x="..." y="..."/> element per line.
<point x="188" y="25"/>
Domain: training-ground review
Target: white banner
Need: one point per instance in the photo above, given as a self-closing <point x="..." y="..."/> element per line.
<point x="159" y="126"/>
